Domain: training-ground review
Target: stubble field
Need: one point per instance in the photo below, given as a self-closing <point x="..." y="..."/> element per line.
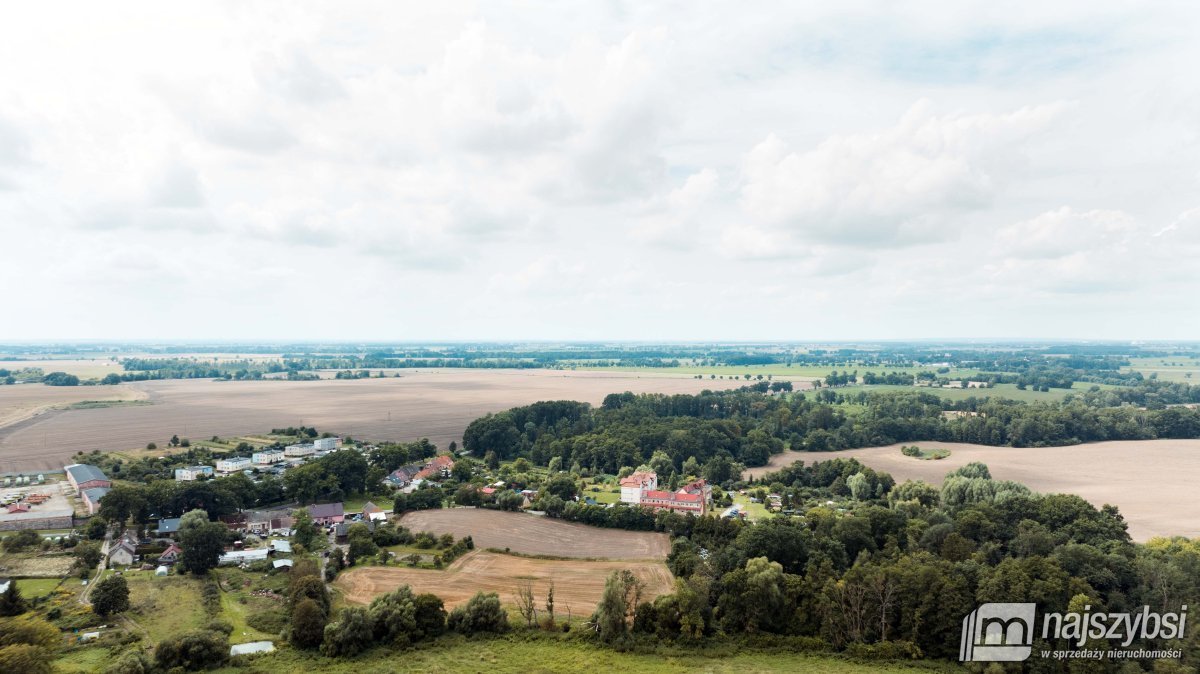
<point x="578" y="584"/>
<point x="427" y="403"/>
<point x="532" y="535"/>
<point x="1152" y="482"/>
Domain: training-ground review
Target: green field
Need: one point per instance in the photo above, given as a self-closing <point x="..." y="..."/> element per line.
<point x="1171" y="368"/>
<point x="547" y="654"/>
<point x="166" y="605"/>
<point x="32" y="588"/>
<point x="754" y="511"/>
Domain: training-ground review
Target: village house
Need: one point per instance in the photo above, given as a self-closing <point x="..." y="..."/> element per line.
<point x="373" y="513"/>
<point x="124" y="553"/>
<point x="171" y="554"/>
<point x="641" y="489"/>
<point x="82" y="476"/>
<point x="437" y="467"/>
<point x="977" y="384"/>
<point x="192" y="473"/>
<point x="233" y="465"/>
<point x="402" y="476"/>
<point x="168" y="526"/>
<point x="327" y="513"/>
<point x="262" y="522"/>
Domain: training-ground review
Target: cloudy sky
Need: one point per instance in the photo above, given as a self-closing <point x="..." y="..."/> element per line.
<point x="641" y="171"/>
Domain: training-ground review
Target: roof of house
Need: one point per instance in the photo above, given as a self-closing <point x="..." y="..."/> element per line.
<point x="369" y="507"/>
<point x="326" y="510"/>
<point x="281" y="546"/>
<point x="82" y="472"/>
<point x="18" y="508"/>
<point x="172" y="549"/>
<point x="168" y="525"/>
<point x="281" y="562"/>
<point x="442" y="461"/>
<point x="243" y="556"/>
<point x="639" y="478"/>
<point x="488" y="490"/>
<point x="95" y="493"/>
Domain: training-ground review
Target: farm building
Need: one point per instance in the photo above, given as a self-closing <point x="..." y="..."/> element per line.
<point x="327" y="513"/>
<point x="42" y="510"/>
<point x="267" y="457"/>
<point x="243" y="556"/>
<point x="91" y="498"/>
<point x="82" y="476"/>
<point x="233" y="465"/>
<point x="192" y="473"/>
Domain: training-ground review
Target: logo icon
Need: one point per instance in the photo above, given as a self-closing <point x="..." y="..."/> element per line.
<point x="998" y="633"/>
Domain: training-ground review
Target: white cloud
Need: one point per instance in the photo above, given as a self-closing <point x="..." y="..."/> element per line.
<point x="587" y="172"/>
<point x="900" y="185"/>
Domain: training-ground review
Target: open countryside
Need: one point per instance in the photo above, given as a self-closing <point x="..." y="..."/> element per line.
<point x="431" y="404"/>
<point x="1153" y="482"/>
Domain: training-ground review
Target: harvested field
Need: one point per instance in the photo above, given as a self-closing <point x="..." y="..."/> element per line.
<point x="533" y="535"/>
<point x="577" y="584"/>
<point x="24" y="401"/>
<point x="427" y="403"/>
<point x="1152" y="482"/>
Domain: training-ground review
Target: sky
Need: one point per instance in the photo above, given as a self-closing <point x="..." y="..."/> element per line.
<point x="607" y="170"/>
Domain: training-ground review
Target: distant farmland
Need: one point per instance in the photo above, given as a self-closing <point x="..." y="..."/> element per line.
<point x="1152" y="482"/>
<point x="425" y="403"/>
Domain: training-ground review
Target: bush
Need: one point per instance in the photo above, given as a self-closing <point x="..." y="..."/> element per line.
<point x="271" y="621"/>
<point x="132" y="662"/>
<point x="884" y="650"/>
<point x="199" y="649"/>
<point x="22" y="540"/>
<point x="482" y="613"/>
<point x="350" y="635"/>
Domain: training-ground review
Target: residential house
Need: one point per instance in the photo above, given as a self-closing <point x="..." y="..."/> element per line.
<point x="437" y="467"/>
<point x="91" y="498"/>
<point x="402" y="476"/>
<point x="264" y="522"/>
<point x="633" y="486"/>
<point x="171" y="554"/>
<point x="267" y="457"/>
<point x="977" y="384"/>
<point x="124" y="553"/>
<point x="373" y="513"/>
<point x="233" y="465"/>
<point x="168" y="526"/>
<point x="192" y="473"/>
<point x="327" y="513"/>
<point x="82" y="476"/>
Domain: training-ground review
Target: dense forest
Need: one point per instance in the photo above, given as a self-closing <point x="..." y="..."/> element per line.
<point x="746" y="426"/>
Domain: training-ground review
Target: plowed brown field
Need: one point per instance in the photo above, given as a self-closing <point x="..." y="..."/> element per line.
<point x="578" y="585"/>
<point x="533" y="535"/>
<point x="427" y="403"/>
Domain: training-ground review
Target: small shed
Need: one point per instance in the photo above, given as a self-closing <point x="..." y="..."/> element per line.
<point x="282" y="564"/>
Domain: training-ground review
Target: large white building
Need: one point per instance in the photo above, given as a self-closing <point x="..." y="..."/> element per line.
<point x="192" y="473"/>
<point x="633" y="486"/>
<point x="300" y="450"/>
<point x="326" y="444"/>
<point x="233" y="465"/>
<point x="267" y="457"/>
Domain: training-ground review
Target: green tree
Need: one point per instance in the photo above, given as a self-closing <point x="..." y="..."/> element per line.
<point x="202" y="542"/>
<point x="111" y="595"/>
<point x="198" y="649"/>
<point x="350" y="635"/>
<point x="307" y="627"/>
<point x="87" y="554"/>
<point x="11" y="602"/>
<point x="482" y="613"/>
<point x="304" y="530"/>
